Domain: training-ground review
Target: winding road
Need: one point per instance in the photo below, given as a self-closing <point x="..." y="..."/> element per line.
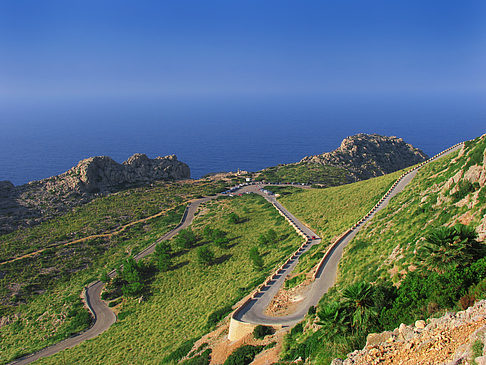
<point x="251" y="311"/>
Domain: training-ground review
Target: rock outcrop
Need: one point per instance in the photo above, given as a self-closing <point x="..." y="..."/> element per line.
<point x="445" y="340"/>
<point x="370" y="155"/>
<point x="37" y="201"/>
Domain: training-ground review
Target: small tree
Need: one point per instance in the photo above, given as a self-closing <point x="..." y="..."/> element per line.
<point x="359" y="304"/>
<point x="186" y="238"/>
<point x="272" y="236"/>
<point x="163" y="256"/>
<point x="205" y="256"/>
<point x="269" y="237"/>
<point x="261" y="331"/>
<point x="131" y="274"/>
<point x="234" y="218"/>
<point x="208" y="233"/>
<point x="256" y="258"/>
<point x="221" y="242"/>
<point x="105" y="277"/>
<point x="452" y="246"/>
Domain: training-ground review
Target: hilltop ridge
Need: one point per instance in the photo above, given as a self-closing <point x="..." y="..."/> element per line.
<point x="37" y="201"/>
<point x="370" y="155"/>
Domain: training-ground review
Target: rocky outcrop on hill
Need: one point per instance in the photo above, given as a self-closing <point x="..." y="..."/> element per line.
<point x="370" y="155"/>
<point x="455" y="338"/>
<point x="37" y="201"/>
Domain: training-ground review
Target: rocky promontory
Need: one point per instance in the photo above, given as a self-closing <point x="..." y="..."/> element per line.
<point x="370" y="155"/>
<point x="36" y="201"/>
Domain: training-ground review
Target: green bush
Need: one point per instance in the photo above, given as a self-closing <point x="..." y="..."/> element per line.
<point x="256" y="258"/>
<point x="179" y="352"/>
<point x="261" y="331"/>
<point x="464" y="188"/>
<point x="243" y="355"/>
<point x="234" y="218"/>
<point x="205" y="256"/>
<point x="186" y="238"/>
<point x="215" y="317"/>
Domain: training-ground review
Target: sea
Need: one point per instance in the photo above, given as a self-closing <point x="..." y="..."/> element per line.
<point x="39" y="139"/>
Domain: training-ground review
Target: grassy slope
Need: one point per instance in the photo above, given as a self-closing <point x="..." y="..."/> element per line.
<point x="102" y="215"/>
<point x="305" y="173"/>
<point x="400" y="228"/>
<point x="386" y="248"/>
<point x="45" y="306"/>
<point x="183" y="298"/>
<point x="332" y="211"/>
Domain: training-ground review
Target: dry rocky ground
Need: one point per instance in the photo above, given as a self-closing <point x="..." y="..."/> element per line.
<point x="455" y="338"/>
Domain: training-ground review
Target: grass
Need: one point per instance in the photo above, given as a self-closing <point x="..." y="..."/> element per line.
<point x="387" y="248"/>
<point x="40" y="294"/>
<point x="305" y="172"/>
<point x="182" y="298"/>
<point x="103" y="215"/>
<point x="330" y="212"/>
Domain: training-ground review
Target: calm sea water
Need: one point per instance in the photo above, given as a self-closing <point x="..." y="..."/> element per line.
<point x="38" y="140"/>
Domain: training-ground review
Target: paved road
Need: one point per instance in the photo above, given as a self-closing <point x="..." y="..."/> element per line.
<point x="253" y="311"/>
<point x="103" y="316"/>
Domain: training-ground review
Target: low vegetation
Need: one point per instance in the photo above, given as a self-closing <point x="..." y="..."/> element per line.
<point x="306" y="173"/>
<point x="178" y="301"/>
<point x="332" y="211"/>
<point x="40" y="300"/>
<point x="419" y="257"/>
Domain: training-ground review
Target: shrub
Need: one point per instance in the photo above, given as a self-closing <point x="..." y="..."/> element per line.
<point x="205" y="256"/>
<point x="215" y="317"/>
<point x="261" y="331"/>
<point x="104" y="277"/>
<point x="256" y="258"/>
<point x="179" y="352"/>
<point x="234" y="218"/>
<point x="186" y="238"/>
<point x="243" y="355"/>
<point x="163" y="256"/>
<point x="132" y="275"/>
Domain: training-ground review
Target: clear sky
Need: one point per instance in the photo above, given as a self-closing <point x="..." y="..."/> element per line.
<point x="77" y="49"/>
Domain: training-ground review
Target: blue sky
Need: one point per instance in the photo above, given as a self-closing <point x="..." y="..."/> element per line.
<point x="56" y="50"/>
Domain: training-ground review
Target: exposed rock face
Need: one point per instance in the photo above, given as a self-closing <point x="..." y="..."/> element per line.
<point x="37" y="201"/>
<point x="370" y="155"/>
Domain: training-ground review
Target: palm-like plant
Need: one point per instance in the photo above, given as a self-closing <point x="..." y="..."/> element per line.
<point x="360" y="305"/>
<point x="456" y="246"/>
<point x="334" y="320"/>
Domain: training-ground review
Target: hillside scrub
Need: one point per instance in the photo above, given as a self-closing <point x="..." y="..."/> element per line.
<point x="180" y="301"/>
<point x="409" y="252"/>
<point x="37" y="293"/>
<point x="332" y="211"/>
<point x="391" y="244"/>
<point x="306" y="173"/>
<point x="103" y="215"/>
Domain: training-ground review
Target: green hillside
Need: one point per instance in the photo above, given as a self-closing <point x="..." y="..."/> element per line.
<point x="410" y="262"/>
<point x="306" y="173"/>
<point x="182" y="299"/>
<point x="40" y="295"/>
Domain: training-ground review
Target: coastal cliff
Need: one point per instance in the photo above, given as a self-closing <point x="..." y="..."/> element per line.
<point x="37" y="201"/>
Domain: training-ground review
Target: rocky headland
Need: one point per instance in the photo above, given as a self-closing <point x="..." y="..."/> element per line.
<point x="37" y="201"/>
<point x="369" y="155"/>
